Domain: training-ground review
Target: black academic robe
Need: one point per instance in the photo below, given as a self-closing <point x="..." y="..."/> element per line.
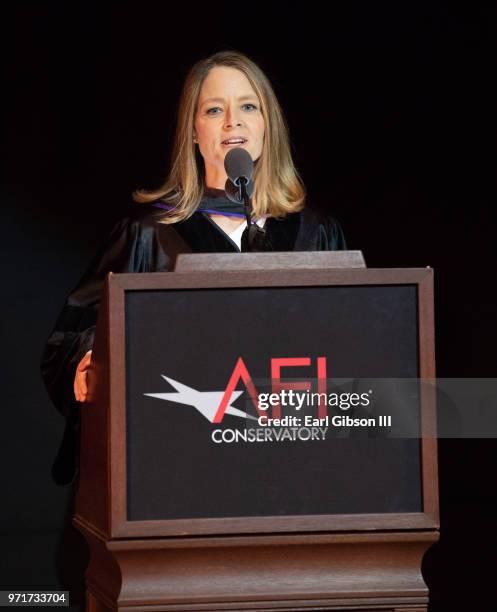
<point x="140" y="243"/>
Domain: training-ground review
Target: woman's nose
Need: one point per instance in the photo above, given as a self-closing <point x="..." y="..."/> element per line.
<point x="232" y="119"/>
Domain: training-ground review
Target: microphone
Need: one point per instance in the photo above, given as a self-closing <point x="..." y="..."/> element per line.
<point x="239" y="166"/>
<point x="239" y="187"/>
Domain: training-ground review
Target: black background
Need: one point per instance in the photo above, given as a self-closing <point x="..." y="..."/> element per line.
<point x="362" y="331"/>
<point x="391" y="111"/>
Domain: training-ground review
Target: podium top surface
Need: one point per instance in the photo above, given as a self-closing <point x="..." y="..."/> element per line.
<point x="306" y="260"/>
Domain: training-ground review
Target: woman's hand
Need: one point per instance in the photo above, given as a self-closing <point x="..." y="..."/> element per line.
<point x="80" y="385"/>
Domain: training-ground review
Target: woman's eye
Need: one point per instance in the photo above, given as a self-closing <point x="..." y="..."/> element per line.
<point x="214" y="110"/>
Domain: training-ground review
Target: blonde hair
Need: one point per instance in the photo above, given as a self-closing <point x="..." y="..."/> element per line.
<point x="278" y="188"/>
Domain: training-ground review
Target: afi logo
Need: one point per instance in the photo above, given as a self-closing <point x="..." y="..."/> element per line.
<point x="213" y="405"/>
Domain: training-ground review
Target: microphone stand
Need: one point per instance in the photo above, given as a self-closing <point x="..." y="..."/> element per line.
<point x="247" y="204"/>
<point x="254" y="237"/>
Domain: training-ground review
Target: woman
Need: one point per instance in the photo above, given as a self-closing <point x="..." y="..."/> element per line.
<point x="226" y="102"/>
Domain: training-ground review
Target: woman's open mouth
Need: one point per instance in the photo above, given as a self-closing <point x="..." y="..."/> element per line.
<point x="234" y="142"/>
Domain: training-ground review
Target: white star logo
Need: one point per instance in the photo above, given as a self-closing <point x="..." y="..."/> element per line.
<point x="206" y="402"/>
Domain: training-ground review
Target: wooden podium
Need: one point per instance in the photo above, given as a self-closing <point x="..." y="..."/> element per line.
<point x="186" y="505"/>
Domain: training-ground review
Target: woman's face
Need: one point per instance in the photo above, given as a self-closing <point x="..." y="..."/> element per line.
<point x="228" y="108"/>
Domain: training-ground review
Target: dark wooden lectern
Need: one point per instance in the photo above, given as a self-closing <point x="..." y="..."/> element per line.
<point x="186" y="505"/>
